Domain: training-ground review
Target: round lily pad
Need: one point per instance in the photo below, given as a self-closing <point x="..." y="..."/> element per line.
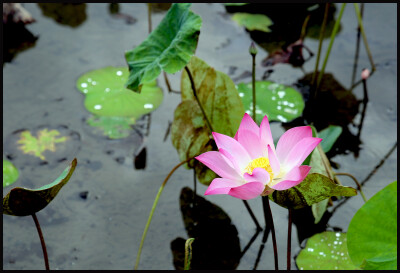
<point x="10" y="173"/>
<point x="277" y="101"/>
<point x="112" y="127"/>
<point x="325" y="251"/>
<point x="251" y="21"/>
<point x="372" y="233"/>
<point x="107" y="96"/>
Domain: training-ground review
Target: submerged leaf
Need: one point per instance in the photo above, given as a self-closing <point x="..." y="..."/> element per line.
<point x="10" y="173"/>
<point x="314" y="188"/>
<point x="372" y="233"/>
<point x="22" y="201"/>
<point x="325" y="251"/>
<point x="251" y="21"/>
<point x="106" y="95"/>
<point x="277" y="101"/>
<point x="46" y="140"/>
<point x="222" y="105"/>
<point x="112" y="127"/>
<point x="169" y="47"/>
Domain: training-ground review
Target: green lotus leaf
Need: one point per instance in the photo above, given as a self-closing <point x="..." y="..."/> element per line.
<point x="169" y="47"/>
<point x="325" y="251"/>
<point x="372" y="233"/>
<point x="10" y="173"/>
<point x="113" y="127"/>
<point x="45" y="140"/>
<point x="329" y="136"/>
<point x="222" y="105"/>
<point x="277" y="101"/>
<point x="23" y="202"/>
<point x="234" y="4"/>
<point x="106" y="95"/>
<point x="314" y="188"/>
<point x="251" y="21"/>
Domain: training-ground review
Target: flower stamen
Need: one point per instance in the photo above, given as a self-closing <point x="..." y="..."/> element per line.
<point x="261" y="162"/>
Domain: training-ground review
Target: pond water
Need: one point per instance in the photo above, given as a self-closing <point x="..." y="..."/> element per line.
<point x="97" y="220"/>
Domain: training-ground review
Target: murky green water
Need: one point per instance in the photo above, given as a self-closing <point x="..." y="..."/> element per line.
<point x="103" y="230"/>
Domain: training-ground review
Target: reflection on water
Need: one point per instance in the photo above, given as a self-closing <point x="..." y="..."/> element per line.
<point x="72" y="15"/>
<point x="16" y="39"/>
<point x="216" y="244"/>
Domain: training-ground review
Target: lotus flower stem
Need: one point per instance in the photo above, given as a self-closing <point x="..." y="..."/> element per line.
<point x="358" y="184"/>
<point x="321" y="37"/>
<point x="333" y="35"/>
<point x="364" y="36"/>
<point x="365" y="101"/>
<point x="197" y="99"/>
<point x="353" y="78"/>
<point x="289" y="240"/>
<point x="46" y="259"/>
<point x="154" y="207"/>
<point x="269" y="221"/>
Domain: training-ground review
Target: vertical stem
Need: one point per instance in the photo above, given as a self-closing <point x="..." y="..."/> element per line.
<point x="364" y="36"/>
<point x="46" y="259"/>
<point x="270" y="222"/>
<point x="254" y="86"/>
<point x="365" y="101"/>
<point x="153" y="209"/>
<point x="289" y="240"/>
<point x="333" y="35"/>
<point x="353" y="78"/>
<point x="197" y="99"/>
<point x="321" y="37"/>
<point x="149" y="16"/>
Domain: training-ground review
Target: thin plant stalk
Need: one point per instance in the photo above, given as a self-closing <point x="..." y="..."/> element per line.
<point x="188" y="253"/>
<point x="321" y="37"/>
<point x="154" y="207"/>
<point x="364" y="36"/>
<point x="353" y="78"/>
<point x="289" y="240"/>
<point x="365" y="102"/>
<point x="358" y="184"/>
<point x="197" y="99"/>
<point x="253" y="53"/>
<point x="270" y="222"/>
<point x="333" y="35"/>
<point x="211" y="130"/>
<point x="39" y="230"/>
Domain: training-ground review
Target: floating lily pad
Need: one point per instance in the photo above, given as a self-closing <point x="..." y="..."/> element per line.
<point x="325" y="251"/>
<point x="222" y="105"/>
<point x="277" y="101"/>
<point x="372" y="233"/>
<point x="106" y="95"/>
<point x="22" y="201"/>
<point x="251" y="21"/>
<point x="314" y="188"/>
<point x="169" y="47"/>
<point x="45" y="140"/>
<point x="10" y="173"/>
<point x="42" y="145"/>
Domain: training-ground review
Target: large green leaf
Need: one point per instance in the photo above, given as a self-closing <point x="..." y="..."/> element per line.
<point x="107" y="96"/>
<point x="222" y="105"/>
<point x="169" y="47"/>
<point x="325" y="251"/>
<point x="329" y="136"/>
<point x="251" y="21"/>
<point x="277" y="101"/>
<point x="22" y="201"/>
<point x="10" y="173"/>
<point x="372" y="233"/>
<point x="314" y="188"/>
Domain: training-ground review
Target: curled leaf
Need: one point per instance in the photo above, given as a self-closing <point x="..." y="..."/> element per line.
<point x="21" y="201"/>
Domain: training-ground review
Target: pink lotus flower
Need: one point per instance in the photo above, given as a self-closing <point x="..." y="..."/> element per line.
<point x="249" y="165"/>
